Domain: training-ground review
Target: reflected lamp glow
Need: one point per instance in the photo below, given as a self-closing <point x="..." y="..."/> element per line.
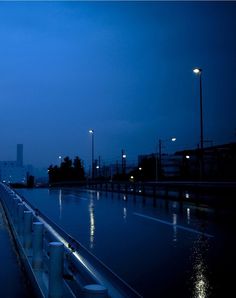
<point x="188" y="215"/>
<point x="60" y="203"/>
<point x="92" y="223"/>
<point x="201" y="286"/>
<point x="124" y="213"/>
<point x="174" y="227"/>
<point x="201" y="282"/>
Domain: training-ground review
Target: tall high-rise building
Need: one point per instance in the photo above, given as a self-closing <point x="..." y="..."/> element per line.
<point x="19" y="155"/>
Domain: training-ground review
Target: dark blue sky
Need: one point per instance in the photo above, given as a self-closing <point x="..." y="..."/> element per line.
<point x="121" y="68"/>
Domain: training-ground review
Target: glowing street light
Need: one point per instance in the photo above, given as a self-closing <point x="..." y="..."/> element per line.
<point x="91" y="131"/>
<point x="198" y="71"/>
<point x="123" y="161"/>
<point x="173" y="139"/>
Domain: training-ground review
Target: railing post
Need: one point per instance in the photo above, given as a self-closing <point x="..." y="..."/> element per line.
<point x="56" y="250"/>
<point x="27" y="239"/>
<point x="37" y="260"/>
<point x="95" y="291"/>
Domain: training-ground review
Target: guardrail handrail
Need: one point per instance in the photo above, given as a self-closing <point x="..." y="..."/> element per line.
<point x="82" y="269"/>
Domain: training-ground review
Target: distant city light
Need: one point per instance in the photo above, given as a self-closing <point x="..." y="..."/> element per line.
<point x="131" y="177"/>
<point x="187" y="156"/>
<point x="173" y="139"/>
<point x="91" y="131"/>
<point x="97" y="167"/>
<point x="140" y="169"/>
<point x="124" y="155"/>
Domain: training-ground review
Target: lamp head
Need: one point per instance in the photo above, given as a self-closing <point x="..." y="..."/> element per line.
<point x="197" y="70"/>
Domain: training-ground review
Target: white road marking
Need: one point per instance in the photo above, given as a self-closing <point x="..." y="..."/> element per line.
<point x="77" y="197"/>
<point x="171" y="224"/>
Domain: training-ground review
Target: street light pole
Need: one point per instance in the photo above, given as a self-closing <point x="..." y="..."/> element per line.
<point x="160" y="145"/>
<point x="160" y="156"/>
<point x="201" y="113"/>
<point x="59" y="160"/>
<point x="91" y="131"/>
<point x="198" y="71"/>
<point x="156" y="165"/>
<point x="123" y="162"/>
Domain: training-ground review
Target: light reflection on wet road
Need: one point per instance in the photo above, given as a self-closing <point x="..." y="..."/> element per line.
<point x="171" y="250"/>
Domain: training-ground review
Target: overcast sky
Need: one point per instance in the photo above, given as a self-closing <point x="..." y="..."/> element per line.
<point x="123" y="69"/>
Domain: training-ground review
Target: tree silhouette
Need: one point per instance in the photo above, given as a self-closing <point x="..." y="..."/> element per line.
<point x="68" y="171"/>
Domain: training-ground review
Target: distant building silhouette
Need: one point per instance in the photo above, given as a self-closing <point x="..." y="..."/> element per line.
<point x="13" y="171"/>
<point x="219" y="164"/>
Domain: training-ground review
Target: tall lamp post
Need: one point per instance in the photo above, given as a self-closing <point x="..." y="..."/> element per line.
<point x="160" y="144"/>
<point x="198" y="71"/>
<point x="59" y="157"/>
<point x="91" y="131"/>
<point x="123" y="162"/>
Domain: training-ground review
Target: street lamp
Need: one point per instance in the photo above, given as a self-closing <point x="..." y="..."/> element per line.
<point x="91" y="131"/>
<point x="59" y="160"/>
<point x="198" y="71"/>
<point x="160" y="144"/>
<point x="123" y="161"/>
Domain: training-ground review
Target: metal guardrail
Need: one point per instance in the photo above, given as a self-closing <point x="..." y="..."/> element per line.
<point x="57" y="264"/>
<point x="209" y="193"/>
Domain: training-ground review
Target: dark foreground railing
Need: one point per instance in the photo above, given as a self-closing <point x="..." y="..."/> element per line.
<point x="57" y="264"/>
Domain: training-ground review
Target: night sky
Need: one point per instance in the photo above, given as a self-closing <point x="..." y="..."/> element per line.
<point x="123" y="69"/>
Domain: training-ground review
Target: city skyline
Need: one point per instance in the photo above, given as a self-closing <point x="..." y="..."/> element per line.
<point x="124" y="70"/>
